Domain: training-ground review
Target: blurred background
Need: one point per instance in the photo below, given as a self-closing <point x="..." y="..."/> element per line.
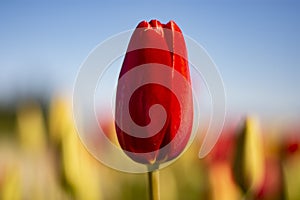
<point x="255" y="45"/>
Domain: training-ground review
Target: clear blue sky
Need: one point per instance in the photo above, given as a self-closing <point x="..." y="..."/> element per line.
<point x="255" y="44"/>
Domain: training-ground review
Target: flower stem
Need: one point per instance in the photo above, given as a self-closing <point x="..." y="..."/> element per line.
<point x="153" y="178"/>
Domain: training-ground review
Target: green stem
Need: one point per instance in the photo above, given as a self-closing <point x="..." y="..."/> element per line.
<point x="153" y="178"/>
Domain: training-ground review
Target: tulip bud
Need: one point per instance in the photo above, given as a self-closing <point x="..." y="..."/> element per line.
<point x="249" y="156"/>
<point x="154" y="105"/>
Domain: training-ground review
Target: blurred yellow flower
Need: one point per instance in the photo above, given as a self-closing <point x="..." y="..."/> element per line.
<point x="249" y="163"/>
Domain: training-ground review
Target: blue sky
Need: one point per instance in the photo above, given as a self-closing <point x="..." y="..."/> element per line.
<point x="255" y="44"/>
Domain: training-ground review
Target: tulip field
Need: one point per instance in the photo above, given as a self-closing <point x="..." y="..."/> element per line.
<point x="156" y="100"/>
<point x="41" y="157"/>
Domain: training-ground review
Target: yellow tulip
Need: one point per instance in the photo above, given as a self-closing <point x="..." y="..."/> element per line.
<point x="249" y="161"/>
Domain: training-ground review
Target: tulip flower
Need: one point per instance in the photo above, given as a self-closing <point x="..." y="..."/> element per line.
<point x="291" y="161"/>
<point x="154" y="104"/>
<point x="153" y="45"/>
<point x="248" y="163"/>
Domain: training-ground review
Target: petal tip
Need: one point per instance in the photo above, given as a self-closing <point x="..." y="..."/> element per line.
<point x="143" y="24"/>
<point x="173" y="26"/>
<point x="155" y="23"/>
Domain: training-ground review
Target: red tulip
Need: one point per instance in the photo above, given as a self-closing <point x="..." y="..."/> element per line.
<point x="161" y="52"/>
